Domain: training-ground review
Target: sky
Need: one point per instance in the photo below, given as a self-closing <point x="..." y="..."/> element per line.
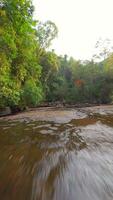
<point x="80" y="23"/>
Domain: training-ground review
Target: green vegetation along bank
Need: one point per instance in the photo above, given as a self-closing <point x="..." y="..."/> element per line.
<point x="31" y="74"/>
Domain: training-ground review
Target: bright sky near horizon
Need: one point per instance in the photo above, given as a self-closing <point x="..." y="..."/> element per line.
<point x="80" y="23"/>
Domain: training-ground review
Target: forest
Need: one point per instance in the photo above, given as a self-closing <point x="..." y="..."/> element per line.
<point x="31" y="74"/>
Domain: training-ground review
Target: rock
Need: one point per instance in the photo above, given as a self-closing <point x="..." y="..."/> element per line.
<point x="5" y="111"/>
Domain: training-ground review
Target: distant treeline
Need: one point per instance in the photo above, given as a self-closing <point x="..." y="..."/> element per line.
<point x="30" y="74"/>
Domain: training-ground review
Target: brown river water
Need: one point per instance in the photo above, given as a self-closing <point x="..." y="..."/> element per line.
<point x="45" y="160"/>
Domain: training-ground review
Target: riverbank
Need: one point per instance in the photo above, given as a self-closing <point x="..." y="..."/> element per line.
<point x="59" y="114"/>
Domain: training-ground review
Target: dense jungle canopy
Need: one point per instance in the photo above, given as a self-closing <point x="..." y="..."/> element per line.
<point x="31" y="74"/>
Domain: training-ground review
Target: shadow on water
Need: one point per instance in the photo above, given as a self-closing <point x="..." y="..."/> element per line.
<point x="52" y="161"/>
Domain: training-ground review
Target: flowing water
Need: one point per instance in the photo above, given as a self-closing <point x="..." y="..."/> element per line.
<point x="42" y="160"/>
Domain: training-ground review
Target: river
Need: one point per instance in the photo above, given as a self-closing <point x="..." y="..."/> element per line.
<point x="58" y="155"/>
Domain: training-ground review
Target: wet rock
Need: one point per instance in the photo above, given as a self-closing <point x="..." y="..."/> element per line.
<point x="5" y="111"/>
<point x="46" y="131"/>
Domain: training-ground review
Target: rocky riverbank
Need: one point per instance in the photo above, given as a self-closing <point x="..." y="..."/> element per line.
<point x="60" y="115"/>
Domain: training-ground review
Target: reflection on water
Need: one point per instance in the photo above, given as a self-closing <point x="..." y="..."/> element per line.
<point x="49" y="161"/>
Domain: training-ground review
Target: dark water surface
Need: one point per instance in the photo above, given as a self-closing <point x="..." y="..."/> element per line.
<point x="53" y="161"/>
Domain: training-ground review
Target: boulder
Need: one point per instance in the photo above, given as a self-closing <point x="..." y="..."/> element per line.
<point x="5" y="111"/>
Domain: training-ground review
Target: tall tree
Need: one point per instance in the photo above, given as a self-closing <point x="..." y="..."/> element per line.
<point x="46" y="32"/>
<point x="18" y="50"/>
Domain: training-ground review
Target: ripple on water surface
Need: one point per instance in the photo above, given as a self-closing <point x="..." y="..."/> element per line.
<point x="52" y="161"/>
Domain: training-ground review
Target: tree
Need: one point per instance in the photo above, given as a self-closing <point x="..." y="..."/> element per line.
<point x="18" y="44"/>
<point x="103" y="49"/>
<point x="46" y="32"/>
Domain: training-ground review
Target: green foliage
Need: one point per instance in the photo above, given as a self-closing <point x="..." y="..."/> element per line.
<point x="77" y="82"/>
<point x="29" y="73"/>
<point x="46" y="32"/>
<point x="49" y="63"/>
<point x="31" y="94"/>
<point x="18" y="60"/>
